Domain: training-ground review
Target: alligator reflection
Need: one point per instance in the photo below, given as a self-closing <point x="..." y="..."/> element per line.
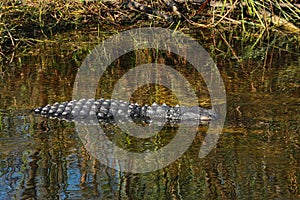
<point x="45" y="159"/>
<point x="56" y="165"/>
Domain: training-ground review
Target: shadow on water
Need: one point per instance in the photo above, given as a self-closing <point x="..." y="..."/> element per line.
<point x="257" y="156"/>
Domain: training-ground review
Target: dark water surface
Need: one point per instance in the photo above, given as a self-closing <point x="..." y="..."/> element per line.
<point x="257" y="155"/>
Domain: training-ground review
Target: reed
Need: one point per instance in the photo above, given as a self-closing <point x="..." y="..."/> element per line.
<point x="24" y="23"/>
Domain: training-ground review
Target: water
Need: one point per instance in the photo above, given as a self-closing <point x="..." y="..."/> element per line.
<point x="257" y="155"/>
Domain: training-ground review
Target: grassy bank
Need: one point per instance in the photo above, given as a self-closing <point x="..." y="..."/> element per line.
<point x="25" y="23"/>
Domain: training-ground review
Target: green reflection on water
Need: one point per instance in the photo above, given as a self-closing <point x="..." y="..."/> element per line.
<point x="257" y="155"/>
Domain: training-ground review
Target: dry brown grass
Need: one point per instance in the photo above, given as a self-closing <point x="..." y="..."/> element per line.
<point x="26" y="22"/>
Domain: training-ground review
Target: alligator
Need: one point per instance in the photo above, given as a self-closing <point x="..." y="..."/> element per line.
<point x="108" y="110"/>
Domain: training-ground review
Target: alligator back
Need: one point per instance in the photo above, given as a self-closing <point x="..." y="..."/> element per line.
<point x="109" y="109"/>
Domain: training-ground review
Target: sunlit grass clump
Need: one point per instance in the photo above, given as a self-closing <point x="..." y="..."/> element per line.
<point x="24" y="23"/>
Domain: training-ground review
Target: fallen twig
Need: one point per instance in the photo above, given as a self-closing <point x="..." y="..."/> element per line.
<point x="138" y="6"/>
